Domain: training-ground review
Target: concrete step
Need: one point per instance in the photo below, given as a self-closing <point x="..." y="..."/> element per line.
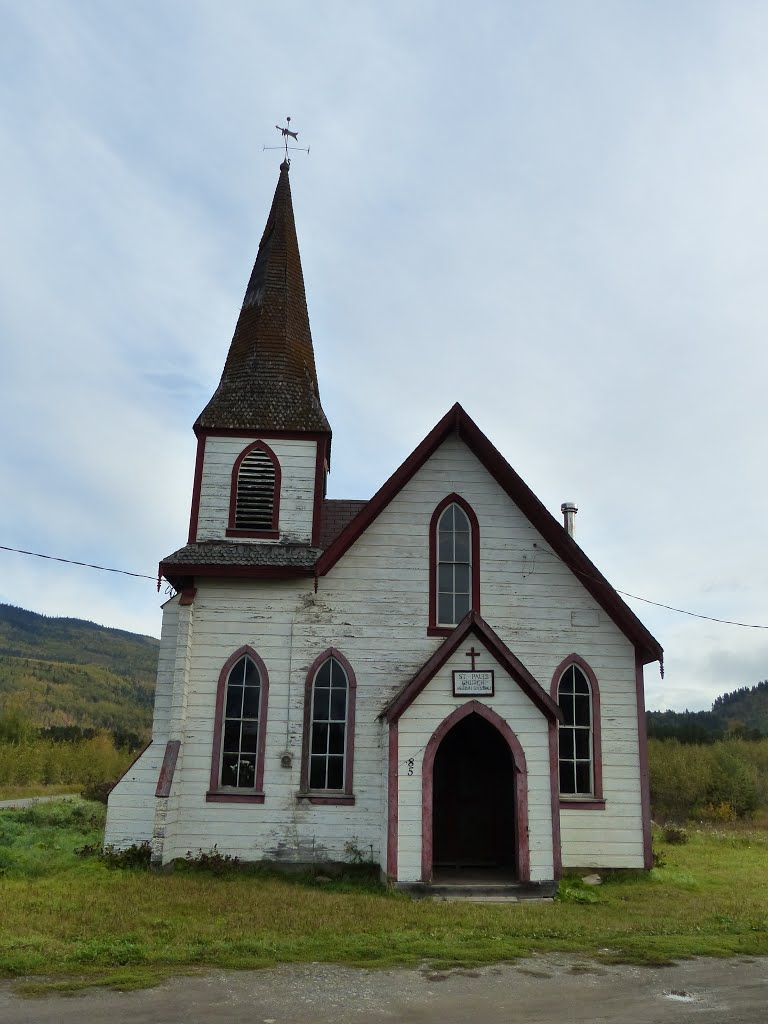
<point x="494" y="899"/>
<point x="488" y="892"/>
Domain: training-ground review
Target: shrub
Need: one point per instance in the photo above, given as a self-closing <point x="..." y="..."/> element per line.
<point x="674" y="835"/>
<point x="98" y="791"/>
<point x="212" y="860"/>
<point x="733" y="780"/>
<point x="686" y="777"/>
<point x="137" y="855"/>
<point x="679" y="778"/>
<point x="46" y="761"/>
<point x="718" y="813"/>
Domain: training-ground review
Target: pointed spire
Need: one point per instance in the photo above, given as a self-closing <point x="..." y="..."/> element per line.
<point x="269" y="381"/>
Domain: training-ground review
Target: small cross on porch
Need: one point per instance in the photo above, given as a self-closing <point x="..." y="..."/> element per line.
<point x="472" y="653"/>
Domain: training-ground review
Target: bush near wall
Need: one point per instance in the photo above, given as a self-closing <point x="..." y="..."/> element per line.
<point x="34" y="761"/>
<point x="721" y="781"/>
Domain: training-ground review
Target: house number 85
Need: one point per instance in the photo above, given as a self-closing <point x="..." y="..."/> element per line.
<point x="410" y="766"/>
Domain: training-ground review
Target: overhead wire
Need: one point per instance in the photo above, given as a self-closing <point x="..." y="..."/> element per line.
<point x="71" y="561"/>
<point x="580" y="572"/>
<point x="657" y="604"/>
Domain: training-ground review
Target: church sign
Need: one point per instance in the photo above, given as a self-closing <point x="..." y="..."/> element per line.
<point x="473" y="684"/>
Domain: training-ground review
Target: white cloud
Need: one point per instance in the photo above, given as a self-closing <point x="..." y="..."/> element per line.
<point x="552" y="213"/>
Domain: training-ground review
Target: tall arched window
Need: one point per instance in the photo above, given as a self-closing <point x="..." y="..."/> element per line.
<point x="454" y="557"/>
<point x="237" y="768"/>
<point x="329" y="726"/>
<point x="255" y="497"/>
<point x="580" y="767"/>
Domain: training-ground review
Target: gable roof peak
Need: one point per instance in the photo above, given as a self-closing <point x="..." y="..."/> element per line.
<point x="475" y="624"/>
<point x="565" y="547"/>
<point x="269" y="382"/>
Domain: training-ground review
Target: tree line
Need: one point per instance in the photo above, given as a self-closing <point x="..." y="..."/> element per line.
<point x="740" y="714"/>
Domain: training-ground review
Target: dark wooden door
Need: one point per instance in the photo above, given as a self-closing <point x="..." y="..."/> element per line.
<point x="473" y="811"/>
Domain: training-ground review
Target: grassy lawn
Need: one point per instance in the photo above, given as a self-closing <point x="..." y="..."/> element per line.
<point x="78" y="921"/>
<point x="22" y="792"/>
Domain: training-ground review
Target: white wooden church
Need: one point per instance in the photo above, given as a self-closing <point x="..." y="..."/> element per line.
<point x="437" y="680"/>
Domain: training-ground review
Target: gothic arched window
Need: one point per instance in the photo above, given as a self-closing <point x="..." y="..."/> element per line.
<point x="454" y="564"/>
<point x="579" y="764"/>
<point x="329" y="728"/>
<point x="237" y="767"/>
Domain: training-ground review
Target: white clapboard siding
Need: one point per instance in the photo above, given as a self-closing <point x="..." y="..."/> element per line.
<point x="132" y="801"/>
<point x="373" y="607"/>
<point x="297" y="489"/>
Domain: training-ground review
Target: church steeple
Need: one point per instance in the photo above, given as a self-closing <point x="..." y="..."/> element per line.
<point x="269" y="383"/>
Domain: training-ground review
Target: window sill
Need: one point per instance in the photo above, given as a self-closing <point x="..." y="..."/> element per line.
<point x="262" y="534"/>
<point x="574" y="803"/>
<point x="220" y="796"/>
<point x="327" y="799"/>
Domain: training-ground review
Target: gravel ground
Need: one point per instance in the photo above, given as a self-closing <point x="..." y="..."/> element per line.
<point x="539" y="990"/>
<point x="27" y="801"/>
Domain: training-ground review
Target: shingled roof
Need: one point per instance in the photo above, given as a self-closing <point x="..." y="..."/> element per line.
<point x="269" y="381"/>
<point x="337" y="513"/>
<point x="228" y="557"/>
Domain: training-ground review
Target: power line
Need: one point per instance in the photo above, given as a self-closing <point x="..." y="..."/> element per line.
<point x="657" y="604"/>
<point x="70" y="561"/>
<point x="624" y="593"/>
<point x="695" y="615"/>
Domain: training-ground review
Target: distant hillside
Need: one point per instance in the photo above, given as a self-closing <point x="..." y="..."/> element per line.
<point x="748" y="705"/>
<point x="70" y="673"/>
<point x="742" y="712"/>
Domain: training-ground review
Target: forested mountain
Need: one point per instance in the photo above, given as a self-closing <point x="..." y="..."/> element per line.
<point x="67" y="675"/>
<point x="749" y="704"/>
<point x="743" y="712"/>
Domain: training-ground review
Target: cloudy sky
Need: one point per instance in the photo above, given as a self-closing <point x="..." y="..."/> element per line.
<point x="552" y="212"/>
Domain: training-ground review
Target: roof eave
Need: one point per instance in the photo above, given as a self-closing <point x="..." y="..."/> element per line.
<point x="178" y="574"/>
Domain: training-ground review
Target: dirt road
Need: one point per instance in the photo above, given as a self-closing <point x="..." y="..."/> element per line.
<point x="540" y="990"/>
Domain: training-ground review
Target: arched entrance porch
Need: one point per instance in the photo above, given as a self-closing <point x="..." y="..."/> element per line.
<point x="475" y="798"/>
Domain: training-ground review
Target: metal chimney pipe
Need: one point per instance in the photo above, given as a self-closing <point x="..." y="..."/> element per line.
<point x="569" y="510"/>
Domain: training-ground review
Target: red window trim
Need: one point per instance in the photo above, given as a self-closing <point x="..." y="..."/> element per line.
<point x="433" y="629"/>
<point x="165" y="779"/>
<point x="274" y="532"/>
<point x="393" y="809"/>
<point x="595" y="801"/>
<point x="322" y="465"/>
<point x="194" y="514"/>
<point x="642" y="737"/>
<point x="328" y="796"/>
<point x="216" y="793"/>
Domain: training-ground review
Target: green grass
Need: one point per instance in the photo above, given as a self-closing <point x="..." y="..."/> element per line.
<point x="78" y="922"/>
<point x="9" y="792"/>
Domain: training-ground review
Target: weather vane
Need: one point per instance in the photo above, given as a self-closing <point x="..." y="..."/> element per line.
<point x="287" y="134"/>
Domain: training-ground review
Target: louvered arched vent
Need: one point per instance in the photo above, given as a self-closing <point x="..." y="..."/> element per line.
<point x="255" y="503"/>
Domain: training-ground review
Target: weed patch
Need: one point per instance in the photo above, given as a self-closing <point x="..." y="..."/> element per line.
<point x="573" y="890"/>
<point x="41" y="839"/>
<point x="138" y="855"/>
